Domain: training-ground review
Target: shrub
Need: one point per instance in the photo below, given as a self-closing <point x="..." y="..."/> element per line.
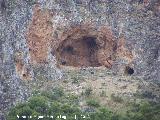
<point x="38" y="104"/>
<point x="55" y="94"/>
<point x="20" y="110"/>
<point x="93" y="103"/>
<point x="102" y="114"/>
<point x="43" y="105"/>
<point x="75" y="80"/>
<point x="144" y="111"/>
<point x="58" y="91"/>
<point x="103" y="94"/>
<point x="73" y="99"/>
<point x="88" y="91"/>
<point x="116" y="98"/>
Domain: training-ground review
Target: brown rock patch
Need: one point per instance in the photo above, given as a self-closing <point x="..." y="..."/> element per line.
<point x="86" y="46"/>
<point x="39" y="35"/>
<point x="79" y="45"/>
<point x="21" y="69"/>
<point x="123" y="52"/>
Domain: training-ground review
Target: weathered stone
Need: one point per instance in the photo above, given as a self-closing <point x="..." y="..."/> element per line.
<point x="33" y="39"/>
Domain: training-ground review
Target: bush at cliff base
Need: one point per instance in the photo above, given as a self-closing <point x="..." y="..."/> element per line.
<point x="55" y="105"/>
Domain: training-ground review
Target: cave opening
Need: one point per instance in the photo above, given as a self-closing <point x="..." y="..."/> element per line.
<point x="90" y="41"/>
<point x="129" y="70"/>
<point x="24" y="75"/>
<point x="78" y="52"/>
<point x="68" y="49"/>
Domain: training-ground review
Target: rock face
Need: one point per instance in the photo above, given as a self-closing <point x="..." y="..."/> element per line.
<point x="83" y="44"/>
<point x="40" y="36"/>
<point x="86" y="45"/>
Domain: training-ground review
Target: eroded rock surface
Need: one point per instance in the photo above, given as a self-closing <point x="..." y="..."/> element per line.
<point x="37" y="38"/>
<point x="40" y="35"/>
<point x="78" y="45"/>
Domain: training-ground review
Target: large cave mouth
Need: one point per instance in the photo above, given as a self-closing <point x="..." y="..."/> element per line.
<point x="79" y="52"/>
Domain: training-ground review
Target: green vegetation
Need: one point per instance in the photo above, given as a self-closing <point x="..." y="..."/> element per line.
<point x="93" y="103"/>
<point x="65" y="81"/>
<point x="88" y="91"/>
<point x="55" y="103"/>
<point x="117" y="99"/>
<point x="103" y="93"/>
<point x="55" y="94"/>
<point x="75" y="80"/>
<point x="144" y="111"/>
<point x="102" y="114"/>
<point x="51" y="103"/>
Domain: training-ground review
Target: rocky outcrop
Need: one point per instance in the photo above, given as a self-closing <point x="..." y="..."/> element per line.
<point x="37" y="38"/>
<point x="77" y="45"/>
<point x="86" y="45"/>
<point x="39" y="35"/>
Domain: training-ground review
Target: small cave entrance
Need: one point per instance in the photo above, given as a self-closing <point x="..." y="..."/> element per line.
<point x="129" y="70"/>
<point x="79" y="52"/>
<point x="24" y="75"/>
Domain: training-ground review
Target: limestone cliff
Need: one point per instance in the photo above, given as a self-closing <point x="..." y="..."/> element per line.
<point x="41" y="36"/>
